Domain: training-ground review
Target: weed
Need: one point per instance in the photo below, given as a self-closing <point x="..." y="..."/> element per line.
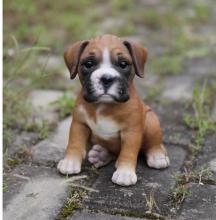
<point x="202" y="12"/>
<point x="44" y="130"/>
<point x="201" y="175"/>
<point x="18" y="67"/>
<point x="64" y="104"/>
<point x="201" y="120"/>
<point x="72" y="203"/>
<point x="179" y="193"/>
<point x="150" y="201"/>
<point x="5" y="187"/>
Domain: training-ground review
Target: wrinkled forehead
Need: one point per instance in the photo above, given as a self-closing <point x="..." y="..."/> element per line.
<point x="114" y="48"/>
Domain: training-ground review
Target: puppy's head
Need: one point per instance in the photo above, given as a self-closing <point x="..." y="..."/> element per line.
<point x="106" y="66"/>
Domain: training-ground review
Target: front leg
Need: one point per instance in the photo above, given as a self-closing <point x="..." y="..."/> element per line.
<point x="125" y="173"/>
<point x="76" y="149"/>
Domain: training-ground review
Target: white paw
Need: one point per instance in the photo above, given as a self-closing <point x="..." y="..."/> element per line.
<point x="99" y="156"/>
<point x="124" y="177"/>
<point x="158" y="160"/>
<point x="67" y="166"/>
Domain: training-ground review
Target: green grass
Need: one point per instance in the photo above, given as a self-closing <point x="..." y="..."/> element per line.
<point x="64" y="105"/>
<point x="179" y="193"/>
<point x="20" y="77"/>
<point x="200" y="121"/>
<point x="72" y="203"/>
<point x="201" y="176"/>
<point x="202" y="12"/>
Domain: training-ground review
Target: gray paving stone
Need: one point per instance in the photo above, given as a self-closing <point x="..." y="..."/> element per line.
<point x="43" y="98"/>
<point x="176" y="135"/>
<point x="207" y="157"/>
<point x="51" y="62"/>
<point x="53" y="148"/>
<point x="145" y="85"/>
<point x="85" y="215"/>
<point x="178" y="88"/>
<point x="214" y="112"/>
<point x="42" y="104"/>
<point x="172" y="124"/>
<point x="200" y="205"/>
<point x="34" y="193"/>
<point x="112" y="198"/>
<point x="201" y="66"/>
<point x="212" y="165"/>
<point x="23" y="142"/>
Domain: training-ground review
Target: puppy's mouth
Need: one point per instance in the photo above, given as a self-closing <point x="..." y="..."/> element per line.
<point x="106" y="98"/>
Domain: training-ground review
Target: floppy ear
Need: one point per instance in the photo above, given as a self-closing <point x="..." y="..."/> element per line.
<point x="72" y="56"/>
<point x="139" y="56"/>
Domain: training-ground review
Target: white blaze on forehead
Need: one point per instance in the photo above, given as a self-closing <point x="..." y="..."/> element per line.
<point x="105" y="68"/>
<point x="106" y="62"/>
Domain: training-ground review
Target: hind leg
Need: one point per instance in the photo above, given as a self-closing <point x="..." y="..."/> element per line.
<point x="154" y="150"/>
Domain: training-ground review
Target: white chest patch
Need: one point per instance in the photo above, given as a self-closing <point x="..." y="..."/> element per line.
<point x="104" y="127"/>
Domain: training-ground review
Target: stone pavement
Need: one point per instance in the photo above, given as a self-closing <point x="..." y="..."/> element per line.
<point x="38" y="191"/>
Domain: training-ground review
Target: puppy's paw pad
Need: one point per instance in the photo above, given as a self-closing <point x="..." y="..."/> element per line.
<point x="124" y="177"/>
<point x="66" y="166"/>
<point x="158" y="161"/>
<point x="99" y="156"/>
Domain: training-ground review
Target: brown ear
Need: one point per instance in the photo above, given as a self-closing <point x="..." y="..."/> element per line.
<point x="139" y="56"/>
<point x="72" y="56"/>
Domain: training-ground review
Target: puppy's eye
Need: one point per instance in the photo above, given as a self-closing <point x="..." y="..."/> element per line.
<point x="88" y="64"/>
<point x="123" y="64"/>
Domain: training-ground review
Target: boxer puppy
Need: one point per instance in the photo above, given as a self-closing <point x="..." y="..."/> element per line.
<point x="108" y="115"/>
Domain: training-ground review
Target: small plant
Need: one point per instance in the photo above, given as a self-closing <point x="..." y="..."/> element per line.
<point x="64" y="105"/>
<point x="202" y="12"/>
<point x="5" y="187"/>
<point x="200" y="176"/>
<point x="19" y="79"/>
<point x="150" y="201"/>
<point x="179" y="193"/>
<point x="72" y="203"/>
<point x="201" y="120"/>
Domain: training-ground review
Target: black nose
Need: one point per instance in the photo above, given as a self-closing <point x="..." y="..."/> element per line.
<point x="107" y="80"/>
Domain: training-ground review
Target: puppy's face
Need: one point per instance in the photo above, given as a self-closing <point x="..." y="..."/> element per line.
<point x="106" y="67"/>
<point x="105" y="73"/>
